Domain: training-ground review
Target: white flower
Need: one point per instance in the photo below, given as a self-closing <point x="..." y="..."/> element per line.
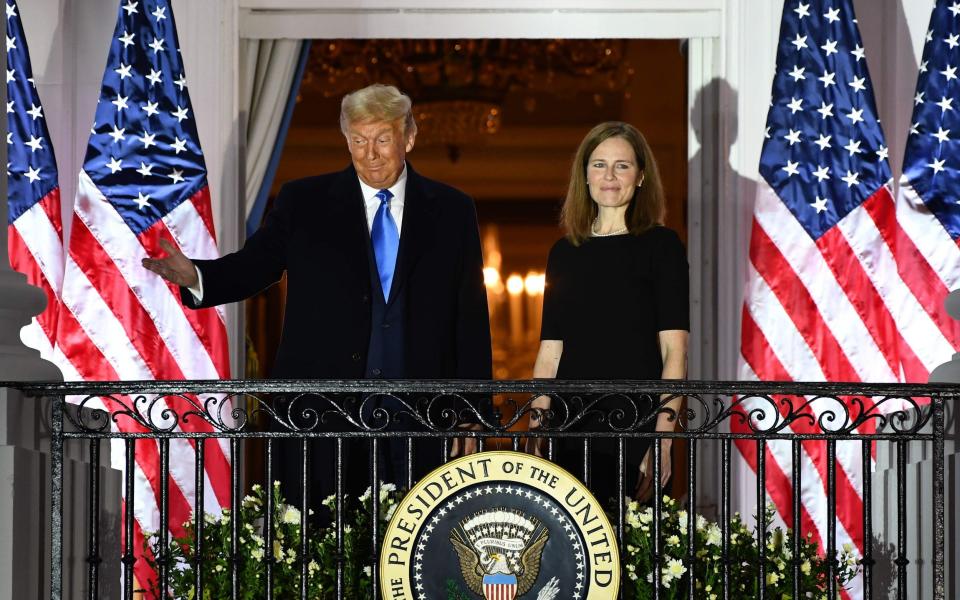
<point x="673" y="540"/>
<point x="366" y="571"/>
<point x="682" y="519"/>
<point x="277" y="550"/>
<point x="291" y="515"/>
<point x="385" y="490"/>
<point x="257" y="553"/>
<point x="674" y="568"/>
<point x="714" y="535"/>
<point x="389" y="514"/>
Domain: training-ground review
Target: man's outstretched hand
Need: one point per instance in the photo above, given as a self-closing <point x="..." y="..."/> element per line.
<point x="175" y="267"/>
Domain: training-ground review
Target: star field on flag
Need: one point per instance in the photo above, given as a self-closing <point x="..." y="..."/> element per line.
<point x="824" y="152"/>
<point x="34" y="222"/>
<point x="144" y="154"/>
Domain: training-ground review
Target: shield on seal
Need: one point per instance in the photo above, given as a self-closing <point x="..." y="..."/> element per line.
<point x="499" y="586"/>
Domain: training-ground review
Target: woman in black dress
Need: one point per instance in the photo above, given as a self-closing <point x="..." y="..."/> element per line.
<point x="616" y="299"/>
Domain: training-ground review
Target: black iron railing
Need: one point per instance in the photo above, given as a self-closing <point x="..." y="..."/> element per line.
<point x="716" y="413"/>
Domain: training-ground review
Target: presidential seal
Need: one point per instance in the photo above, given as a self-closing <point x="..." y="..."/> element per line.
<point x="499" y="526"/>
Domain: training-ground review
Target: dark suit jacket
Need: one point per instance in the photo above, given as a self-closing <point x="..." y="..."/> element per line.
<point x="317" y="233"/>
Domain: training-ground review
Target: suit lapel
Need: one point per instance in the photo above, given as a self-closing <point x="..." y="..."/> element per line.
<point x="348" y="226"/>
<point x="417" y="230"/>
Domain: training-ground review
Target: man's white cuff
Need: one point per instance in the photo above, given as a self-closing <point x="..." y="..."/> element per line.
<point x="197" y="290"/>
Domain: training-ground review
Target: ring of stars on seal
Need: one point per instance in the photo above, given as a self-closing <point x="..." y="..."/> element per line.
<point x="562" y="522"/>
<point x="499" y="526"/>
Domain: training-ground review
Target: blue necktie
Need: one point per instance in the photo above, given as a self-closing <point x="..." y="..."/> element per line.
<point x="386" y="240"/>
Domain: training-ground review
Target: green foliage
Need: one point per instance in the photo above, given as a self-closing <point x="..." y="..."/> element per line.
<point x="286" y="562"/>
<point x="454" y="592"/>
<point x="708" y="570"/>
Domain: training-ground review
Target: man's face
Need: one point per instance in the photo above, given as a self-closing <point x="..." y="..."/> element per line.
<point x="378" y="150"/>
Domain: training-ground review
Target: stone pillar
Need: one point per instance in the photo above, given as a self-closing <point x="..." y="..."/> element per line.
<point x="949" y="372"/>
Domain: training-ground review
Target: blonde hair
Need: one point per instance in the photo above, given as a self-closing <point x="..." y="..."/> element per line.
<point x="377" y="102"/>
<point x="646" y="209"/>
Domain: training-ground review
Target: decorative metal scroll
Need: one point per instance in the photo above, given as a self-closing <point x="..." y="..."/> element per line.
<point x="611" y="408"/>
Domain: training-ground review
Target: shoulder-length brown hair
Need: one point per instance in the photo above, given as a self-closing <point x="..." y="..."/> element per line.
<point x="648" y="207"/>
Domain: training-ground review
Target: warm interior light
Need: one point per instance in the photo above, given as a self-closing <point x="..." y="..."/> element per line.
<point x="515" y="285"/>
<point x="534" y="283"/>
<point x="491" y="276"/>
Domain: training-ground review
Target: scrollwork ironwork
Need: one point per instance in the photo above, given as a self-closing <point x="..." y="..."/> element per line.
<point x="311" y="407"/>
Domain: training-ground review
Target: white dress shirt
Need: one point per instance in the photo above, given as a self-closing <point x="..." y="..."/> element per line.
<point x="372" y="204"/>
<point x="398" y="190"/>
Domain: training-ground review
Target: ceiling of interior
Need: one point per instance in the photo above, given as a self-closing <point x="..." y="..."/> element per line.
<point x="518" y="175"/>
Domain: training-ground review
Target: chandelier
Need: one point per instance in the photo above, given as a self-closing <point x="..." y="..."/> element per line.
<point x="459" y="86"/>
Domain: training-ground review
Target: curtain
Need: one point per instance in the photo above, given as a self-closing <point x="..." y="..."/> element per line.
<point x="270" y="75"/>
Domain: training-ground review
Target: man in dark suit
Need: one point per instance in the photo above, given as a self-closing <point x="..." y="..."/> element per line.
<point x="384" y="278"/>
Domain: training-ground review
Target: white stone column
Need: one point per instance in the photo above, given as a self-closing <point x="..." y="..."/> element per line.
<point x="949" y="372"/>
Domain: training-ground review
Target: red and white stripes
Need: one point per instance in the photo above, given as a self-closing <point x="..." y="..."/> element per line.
<point x="35" y="246"/>
<point x="121" y="322"/>
<point x="859" y="304"/>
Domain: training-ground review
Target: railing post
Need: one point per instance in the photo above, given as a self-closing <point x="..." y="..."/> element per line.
<point x="939" y="515"/>
<point x="56" y="497"/>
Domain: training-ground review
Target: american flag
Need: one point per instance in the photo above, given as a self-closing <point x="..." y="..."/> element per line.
<point x="144" y="179"/>
<point x="928" y="213"/>
<point x="828" y="281"/>
<point x="34" y="224"/>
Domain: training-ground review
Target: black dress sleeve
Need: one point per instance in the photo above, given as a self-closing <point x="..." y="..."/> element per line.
<point x="671" y="282"/>
<point x="550" y="328"/>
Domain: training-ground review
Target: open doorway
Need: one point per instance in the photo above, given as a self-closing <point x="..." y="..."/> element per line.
<point x="500" y="120"/>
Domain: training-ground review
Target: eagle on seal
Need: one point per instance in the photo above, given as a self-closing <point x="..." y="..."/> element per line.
<point x="500" y="549"/>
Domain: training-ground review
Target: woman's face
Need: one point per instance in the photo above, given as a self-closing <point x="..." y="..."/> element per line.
<point x="612" y="173"/>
